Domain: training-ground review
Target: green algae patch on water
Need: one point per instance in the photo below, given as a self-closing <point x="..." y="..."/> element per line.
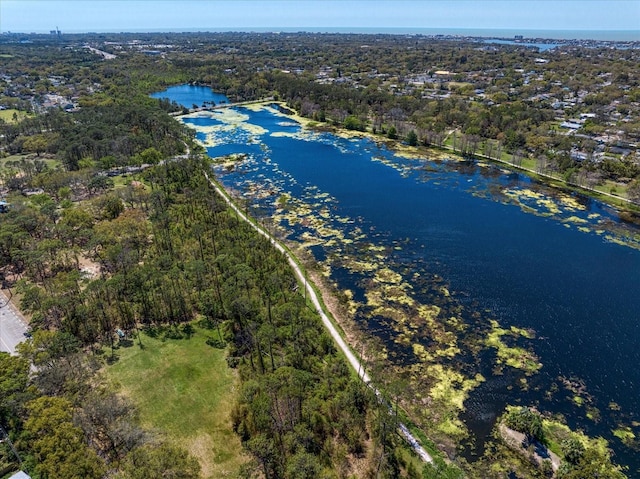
<point x="525" y="333"/>
<point x="385" y="275"/>
<point x="593" y="413"/>
<point x="421" y="352"/>
<point x="566" y="209"/>
<point x="408" y="152"/>
<point x="570" y="203"/>
<point x="397" y="294"/>
<point x="232" y="122"/>
<point x="302" y="135"/>
<point x="449" y="389"/>
<point x="429" y="312"/>
<point x="580" y="398"/>
<point x="388" y="162"/>
<point x="622" y="241"/>
<point x="513" y="356"/>
<point x="283" y="134"/>
<point x="351" y="304"/>
<point x="283" y="200"/>
<point x="533" y="201"/>
<point x="390" y="313"/>
<point x="362" y="266"/>
<point x="626" y="435"/>
<point x="576" y="220"/>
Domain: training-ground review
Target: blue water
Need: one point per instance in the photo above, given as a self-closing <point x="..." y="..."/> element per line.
<point x="561" y="274"/>
<point x="189" y="95"/>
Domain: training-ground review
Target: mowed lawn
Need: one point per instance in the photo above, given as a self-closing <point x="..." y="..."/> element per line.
<point x="184" y="389"/>
<point x="7" y="115"/>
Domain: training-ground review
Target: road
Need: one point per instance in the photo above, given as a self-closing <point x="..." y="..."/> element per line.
<point x="12" y="325"/>
<point x="311" y="294"/>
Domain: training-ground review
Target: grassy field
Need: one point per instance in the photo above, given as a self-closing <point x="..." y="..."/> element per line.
<point x="51" y="163"/>
<point x="7" y="115"/>
<point x="184" y="389"/>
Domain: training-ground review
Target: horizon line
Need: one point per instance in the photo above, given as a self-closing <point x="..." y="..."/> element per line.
<point x="626" y="35"/>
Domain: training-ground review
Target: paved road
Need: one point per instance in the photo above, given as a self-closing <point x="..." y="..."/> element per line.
<point x="311" y="294"/>
<point x="12" y="325"/>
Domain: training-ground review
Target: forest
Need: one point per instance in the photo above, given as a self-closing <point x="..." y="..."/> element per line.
<point x="168" y="257"/>
<point x="115" y="236"/>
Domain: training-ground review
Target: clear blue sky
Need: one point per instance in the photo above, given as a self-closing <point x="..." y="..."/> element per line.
<point x="158" y="15"/>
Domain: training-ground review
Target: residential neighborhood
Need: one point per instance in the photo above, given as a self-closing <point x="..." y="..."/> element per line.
<point x="440" y="83"/>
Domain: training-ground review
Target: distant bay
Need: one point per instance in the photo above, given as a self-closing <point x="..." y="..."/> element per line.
<point x="599" y="35"/>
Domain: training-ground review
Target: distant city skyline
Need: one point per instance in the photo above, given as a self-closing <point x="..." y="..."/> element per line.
<point x="78" y="16"/>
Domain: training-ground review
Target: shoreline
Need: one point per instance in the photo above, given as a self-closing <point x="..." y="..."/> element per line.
<point x="621" y="204"/>
<point x="330" y="323"/>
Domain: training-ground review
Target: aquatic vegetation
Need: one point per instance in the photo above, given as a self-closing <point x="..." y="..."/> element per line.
<point x="302" y="135"/>
<point x="283" y="200"/>
<point x="450" y="388"/>
<point x="632" y="243"/>
<point x="571" y="203"/>
<point x="360" y="266"/>
<point x="390" y="298"/>
<point x="564" y="207"/>
<point x="385" y="275"/>
<point x="593" y="413"/>
<point x="283" y="134"/>
<point x="575" y="219"/>
<point x="427" y="332"/>
<point x="529" y="199"/>
<point x="625" y="434"/>
<point x="229" y="121"/>
<point x="513" y="356"/>
<point x="408" y="152"/>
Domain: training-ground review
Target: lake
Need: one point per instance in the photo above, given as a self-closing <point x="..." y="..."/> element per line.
<point x="470" y="275"/>
<point x="190" y="95"/>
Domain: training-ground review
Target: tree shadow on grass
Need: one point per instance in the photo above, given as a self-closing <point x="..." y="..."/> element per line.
<point x="126" y="342"/>
<point x="173" y="331"/>
<point x="112" y="359"/>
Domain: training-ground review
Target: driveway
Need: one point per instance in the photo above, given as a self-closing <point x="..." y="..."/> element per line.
<point x="12" y="325"/>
